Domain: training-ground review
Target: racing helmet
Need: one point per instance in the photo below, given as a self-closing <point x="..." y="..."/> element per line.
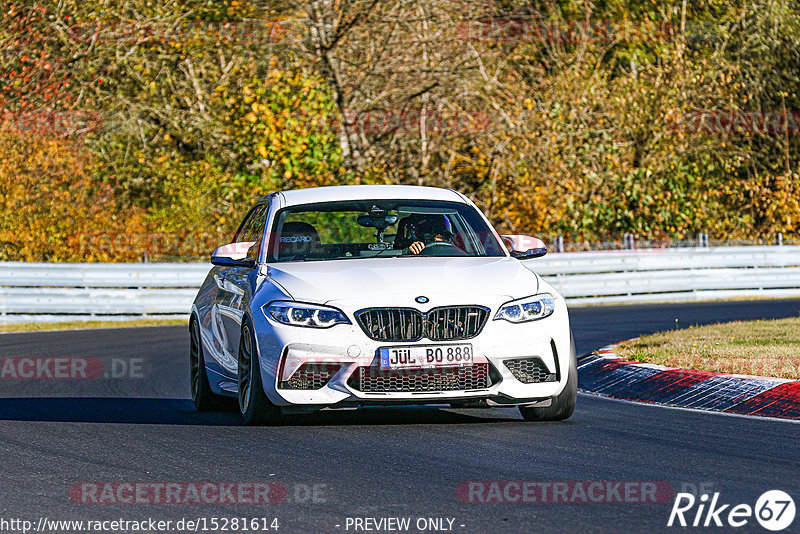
<point x="427" y="227"/>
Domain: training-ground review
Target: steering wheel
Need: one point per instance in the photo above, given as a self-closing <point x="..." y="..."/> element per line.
<point x="441" y="248"/>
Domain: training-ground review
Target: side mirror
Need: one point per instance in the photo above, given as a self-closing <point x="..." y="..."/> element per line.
<point x="524" y="247"/>
<point x="233" y="255"/>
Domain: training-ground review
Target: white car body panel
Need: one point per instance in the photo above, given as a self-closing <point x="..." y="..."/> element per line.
<point x="404" y="277"/>
<point x="367" y="192"/>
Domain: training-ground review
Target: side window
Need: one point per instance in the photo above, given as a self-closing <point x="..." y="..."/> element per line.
<point x="243" y="228"/>
<point x="252" y="229"/>
<point x="255" y="230"/>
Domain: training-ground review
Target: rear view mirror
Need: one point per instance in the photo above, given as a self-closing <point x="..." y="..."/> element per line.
<point x="233" y="255"/>
<point x="524" y="247"/>
<point x="380" y="223"/>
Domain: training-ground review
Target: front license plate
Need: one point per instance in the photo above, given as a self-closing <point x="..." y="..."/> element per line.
<point x="426" y="356"/>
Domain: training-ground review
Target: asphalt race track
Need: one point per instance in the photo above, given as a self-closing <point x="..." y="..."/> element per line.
<point x="141" y="427"/>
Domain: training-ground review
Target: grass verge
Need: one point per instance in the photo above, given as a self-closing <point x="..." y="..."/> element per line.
<point x="80" y="325"/>
<point x="761" y="348"/>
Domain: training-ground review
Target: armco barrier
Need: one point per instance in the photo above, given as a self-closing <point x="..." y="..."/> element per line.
<point x="672" y="275"/>
<point x="48" y="291"/>
<point x="42" y="292"/>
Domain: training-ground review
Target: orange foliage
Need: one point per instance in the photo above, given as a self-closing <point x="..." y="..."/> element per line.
<point x="50" y="208"/>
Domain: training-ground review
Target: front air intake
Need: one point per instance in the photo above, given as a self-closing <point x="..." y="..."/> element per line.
<point x="373" y="379"/>
<point x="530" y="370"/>
<point x="311" y="376"/>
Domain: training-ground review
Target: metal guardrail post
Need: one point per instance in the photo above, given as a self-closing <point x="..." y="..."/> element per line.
<point x="779" y="240"/>
<point x="629" y="241"/>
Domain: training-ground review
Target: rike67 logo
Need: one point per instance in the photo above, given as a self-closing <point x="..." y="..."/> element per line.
<point x="774" y="510"/>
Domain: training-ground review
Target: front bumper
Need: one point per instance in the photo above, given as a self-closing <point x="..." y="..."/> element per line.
<point x="344" y="349"/>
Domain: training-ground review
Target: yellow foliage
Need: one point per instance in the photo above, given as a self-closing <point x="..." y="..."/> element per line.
<point x="50" y="209"/>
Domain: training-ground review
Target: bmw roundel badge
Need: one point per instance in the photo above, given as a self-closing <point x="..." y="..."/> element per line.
<point x="421" y="299"/>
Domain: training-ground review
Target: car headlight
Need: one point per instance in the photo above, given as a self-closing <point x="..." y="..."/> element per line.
<point x="527" y="309"/>
<point x="301" y="314"/>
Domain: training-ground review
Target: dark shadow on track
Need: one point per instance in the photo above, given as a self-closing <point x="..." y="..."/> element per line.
<point x="111" y="410"/>
<point x="182" y="412"/>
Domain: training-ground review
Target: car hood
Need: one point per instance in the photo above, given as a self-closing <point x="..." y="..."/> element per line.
<point x="398" y="279"/>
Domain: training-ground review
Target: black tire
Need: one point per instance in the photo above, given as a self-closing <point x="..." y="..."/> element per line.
<point x="255" y="407"/>
<point x="204" y="399"/>
<point x="563" y="405"/>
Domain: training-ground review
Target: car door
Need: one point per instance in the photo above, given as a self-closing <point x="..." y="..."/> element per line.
<point x="223" y="293"/>
<point x="235" y="283"/>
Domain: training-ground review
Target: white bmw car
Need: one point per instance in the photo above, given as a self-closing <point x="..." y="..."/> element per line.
<point x="348" y="296"/>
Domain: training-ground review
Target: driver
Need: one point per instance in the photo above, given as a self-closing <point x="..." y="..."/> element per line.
<point x="430" y="229"/>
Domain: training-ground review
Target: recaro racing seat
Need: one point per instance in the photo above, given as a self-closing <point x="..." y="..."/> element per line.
<point x="298" y="240"/>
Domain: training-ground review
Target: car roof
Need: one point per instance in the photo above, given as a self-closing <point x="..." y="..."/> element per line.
<point x="367" y="192"/>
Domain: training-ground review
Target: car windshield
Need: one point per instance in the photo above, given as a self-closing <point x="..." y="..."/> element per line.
<point x="380" y="228"/>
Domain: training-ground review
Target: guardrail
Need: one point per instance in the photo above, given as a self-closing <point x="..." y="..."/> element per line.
<point x="36" y="292"/>
<point x="672" y="275"/>
<point x="42" y="292"/>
